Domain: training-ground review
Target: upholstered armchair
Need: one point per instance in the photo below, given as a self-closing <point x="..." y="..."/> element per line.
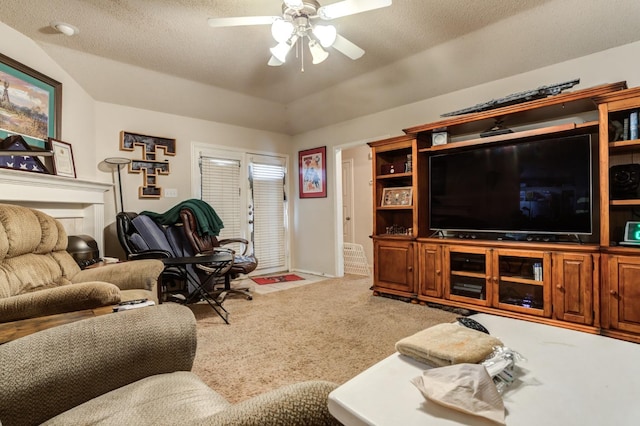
<point x="38" y="277"/>
<point x="134" y="368"/>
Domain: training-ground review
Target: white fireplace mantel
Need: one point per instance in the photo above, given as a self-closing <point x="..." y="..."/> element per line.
<point x="77" y="204"/>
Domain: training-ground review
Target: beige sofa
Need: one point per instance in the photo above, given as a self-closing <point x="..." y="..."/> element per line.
<point x="38" y="277"/>
<point x="133" y="368"/>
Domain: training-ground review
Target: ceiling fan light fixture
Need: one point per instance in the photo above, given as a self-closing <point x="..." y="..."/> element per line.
<point x="326" y="34"/>
<point x="281" y="30"/>
<point x="282" y="49"/>
<point x="274" y="62"/>
<point x="317" y="52"/>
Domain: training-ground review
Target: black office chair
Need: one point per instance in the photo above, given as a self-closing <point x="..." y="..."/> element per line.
<point x="142" y="238"/>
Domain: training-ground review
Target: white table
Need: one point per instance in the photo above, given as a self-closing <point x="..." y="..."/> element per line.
<point x="568" y="378"/>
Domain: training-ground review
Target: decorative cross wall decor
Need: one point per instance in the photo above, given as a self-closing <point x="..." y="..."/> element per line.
<point x="149" y="166"/>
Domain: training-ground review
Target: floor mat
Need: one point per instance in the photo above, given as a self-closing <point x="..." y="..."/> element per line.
<point x="276" y="279"/>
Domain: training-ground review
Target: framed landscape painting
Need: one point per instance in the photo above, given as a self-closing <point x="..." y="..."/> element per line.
<point x="30" y="103"/>
<point x="312" y="165"/>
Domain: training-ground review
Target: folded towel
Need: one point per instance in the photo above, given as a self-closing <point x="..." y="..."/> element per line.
<point x="448" y="344"/>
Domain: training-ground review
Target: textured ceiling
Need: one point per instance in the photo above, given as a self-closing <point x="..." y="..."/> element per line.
<point x="172" y="37"/>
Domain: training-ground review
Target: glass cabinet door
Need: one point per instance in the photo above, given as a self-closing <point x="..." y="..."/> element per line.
<point x="467" y="273"/>
<point x="521" y="281"/>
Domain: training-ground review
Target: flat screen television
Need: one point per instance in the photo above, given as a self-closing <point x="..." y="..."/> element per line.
<point x="538" y="187"/>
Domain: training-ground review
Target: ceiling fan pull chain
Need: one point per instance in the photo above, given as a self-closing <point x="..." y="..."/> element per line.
<point x="301" y="56"/>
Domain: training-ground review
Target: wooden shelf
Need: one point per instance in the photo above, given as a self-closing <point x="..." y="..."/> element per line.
<point x="395" y="207"/>
<point x="634" y="202"/>
<point x="621" y="146"/>
<point x="583" y="97"/>
<point x="395" y="236"/>
<point x="514" y="136"/>
<point x="468" y="274"/>
<point x="517" y="280"/>
<point x="395" y="175"/>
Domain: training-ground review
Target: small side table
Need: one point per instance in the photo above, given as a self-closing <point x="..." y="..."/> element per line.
<point x="217" y="263"/>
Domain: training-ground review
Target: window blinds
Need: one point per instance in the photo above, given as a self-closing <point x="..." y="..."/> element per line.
<point x="220" y="186"/>
<point x="267" y="180"/>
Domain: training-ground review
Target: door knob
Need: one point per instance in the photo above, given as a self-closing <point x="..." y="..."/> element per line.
<point x="347" y="218"/>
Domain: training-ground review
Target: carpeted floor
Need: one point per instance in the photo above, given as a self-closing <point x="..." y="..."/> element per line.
<point x="329" y="330"/>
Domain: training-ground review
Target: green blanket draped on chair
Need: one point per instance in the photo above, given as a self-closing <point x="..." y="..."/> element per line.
<point x="209" y="223"/>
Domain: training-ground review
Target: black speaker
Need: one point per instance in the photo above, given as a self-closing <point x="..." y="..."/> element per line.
<point x="83" y="249"/>
<point x="624" y="181"/>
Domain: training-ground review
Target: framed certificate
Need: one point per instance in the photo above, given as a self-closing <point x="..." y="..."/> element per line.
<point x="63" y="164"/>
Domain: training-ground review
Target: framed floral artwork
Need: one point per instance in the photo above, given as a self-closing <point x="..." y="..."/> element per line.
<point x="312" y="166"/>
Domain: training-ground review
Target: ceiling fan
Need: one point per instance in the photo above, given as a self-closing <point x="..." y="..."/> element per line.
<point x="299" y="20"/>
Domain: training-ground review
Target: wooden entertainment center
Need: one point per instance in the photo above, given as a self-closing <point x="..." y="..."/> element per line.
<point x="590" y="284"/>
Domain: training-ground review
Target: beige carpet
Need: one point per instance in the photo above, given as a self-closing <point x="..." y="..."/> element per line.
<point x="330" y="330"/>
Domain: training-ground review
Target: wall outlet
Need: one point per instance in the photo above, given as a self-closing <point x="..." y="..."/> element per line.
<point x="170" y="192"/>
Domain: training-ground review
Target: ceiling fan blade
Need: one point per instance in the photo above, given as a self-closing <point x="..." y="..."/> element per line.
<point x="350" y="7"/>
<point x="348" y="48"/>
<point x="241" y="21"/>
<point x="274" y="62"/>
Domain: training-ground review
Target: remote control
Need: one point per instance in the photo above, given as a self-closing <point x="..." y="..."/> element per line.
<point x="473" y="324"/>
<point x="132" y="302"/>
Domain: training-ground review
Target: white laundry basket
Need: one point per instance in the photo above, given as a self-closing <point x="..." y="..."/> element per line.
<point x="355" y="262"/>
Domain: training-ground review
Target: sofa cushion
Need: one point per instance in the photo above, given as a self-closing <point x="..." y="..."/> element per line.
<point x="29" y="231"/>
<point x="172" y="398"/>
<point x="29" y="272"/>
<point x="52" y="233"/>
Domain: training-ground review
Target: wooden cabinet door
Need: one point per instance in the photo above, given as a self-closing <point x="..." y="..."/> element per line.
<point x="430" y="274"/>
<point x="517" y="286"/>
<point x="573" y="287"/>
<point x="624" y="293"/>
<point x="467" y="274"/>
<point x="394" y="266"/>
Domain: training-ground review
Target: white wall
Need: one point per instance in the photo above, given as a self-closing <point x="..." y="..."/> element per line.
<point x="314" y="231"/>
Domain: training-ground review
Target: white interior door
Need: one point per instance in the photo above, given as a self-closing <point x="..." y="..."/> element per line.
<point x="347" y="202"/>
